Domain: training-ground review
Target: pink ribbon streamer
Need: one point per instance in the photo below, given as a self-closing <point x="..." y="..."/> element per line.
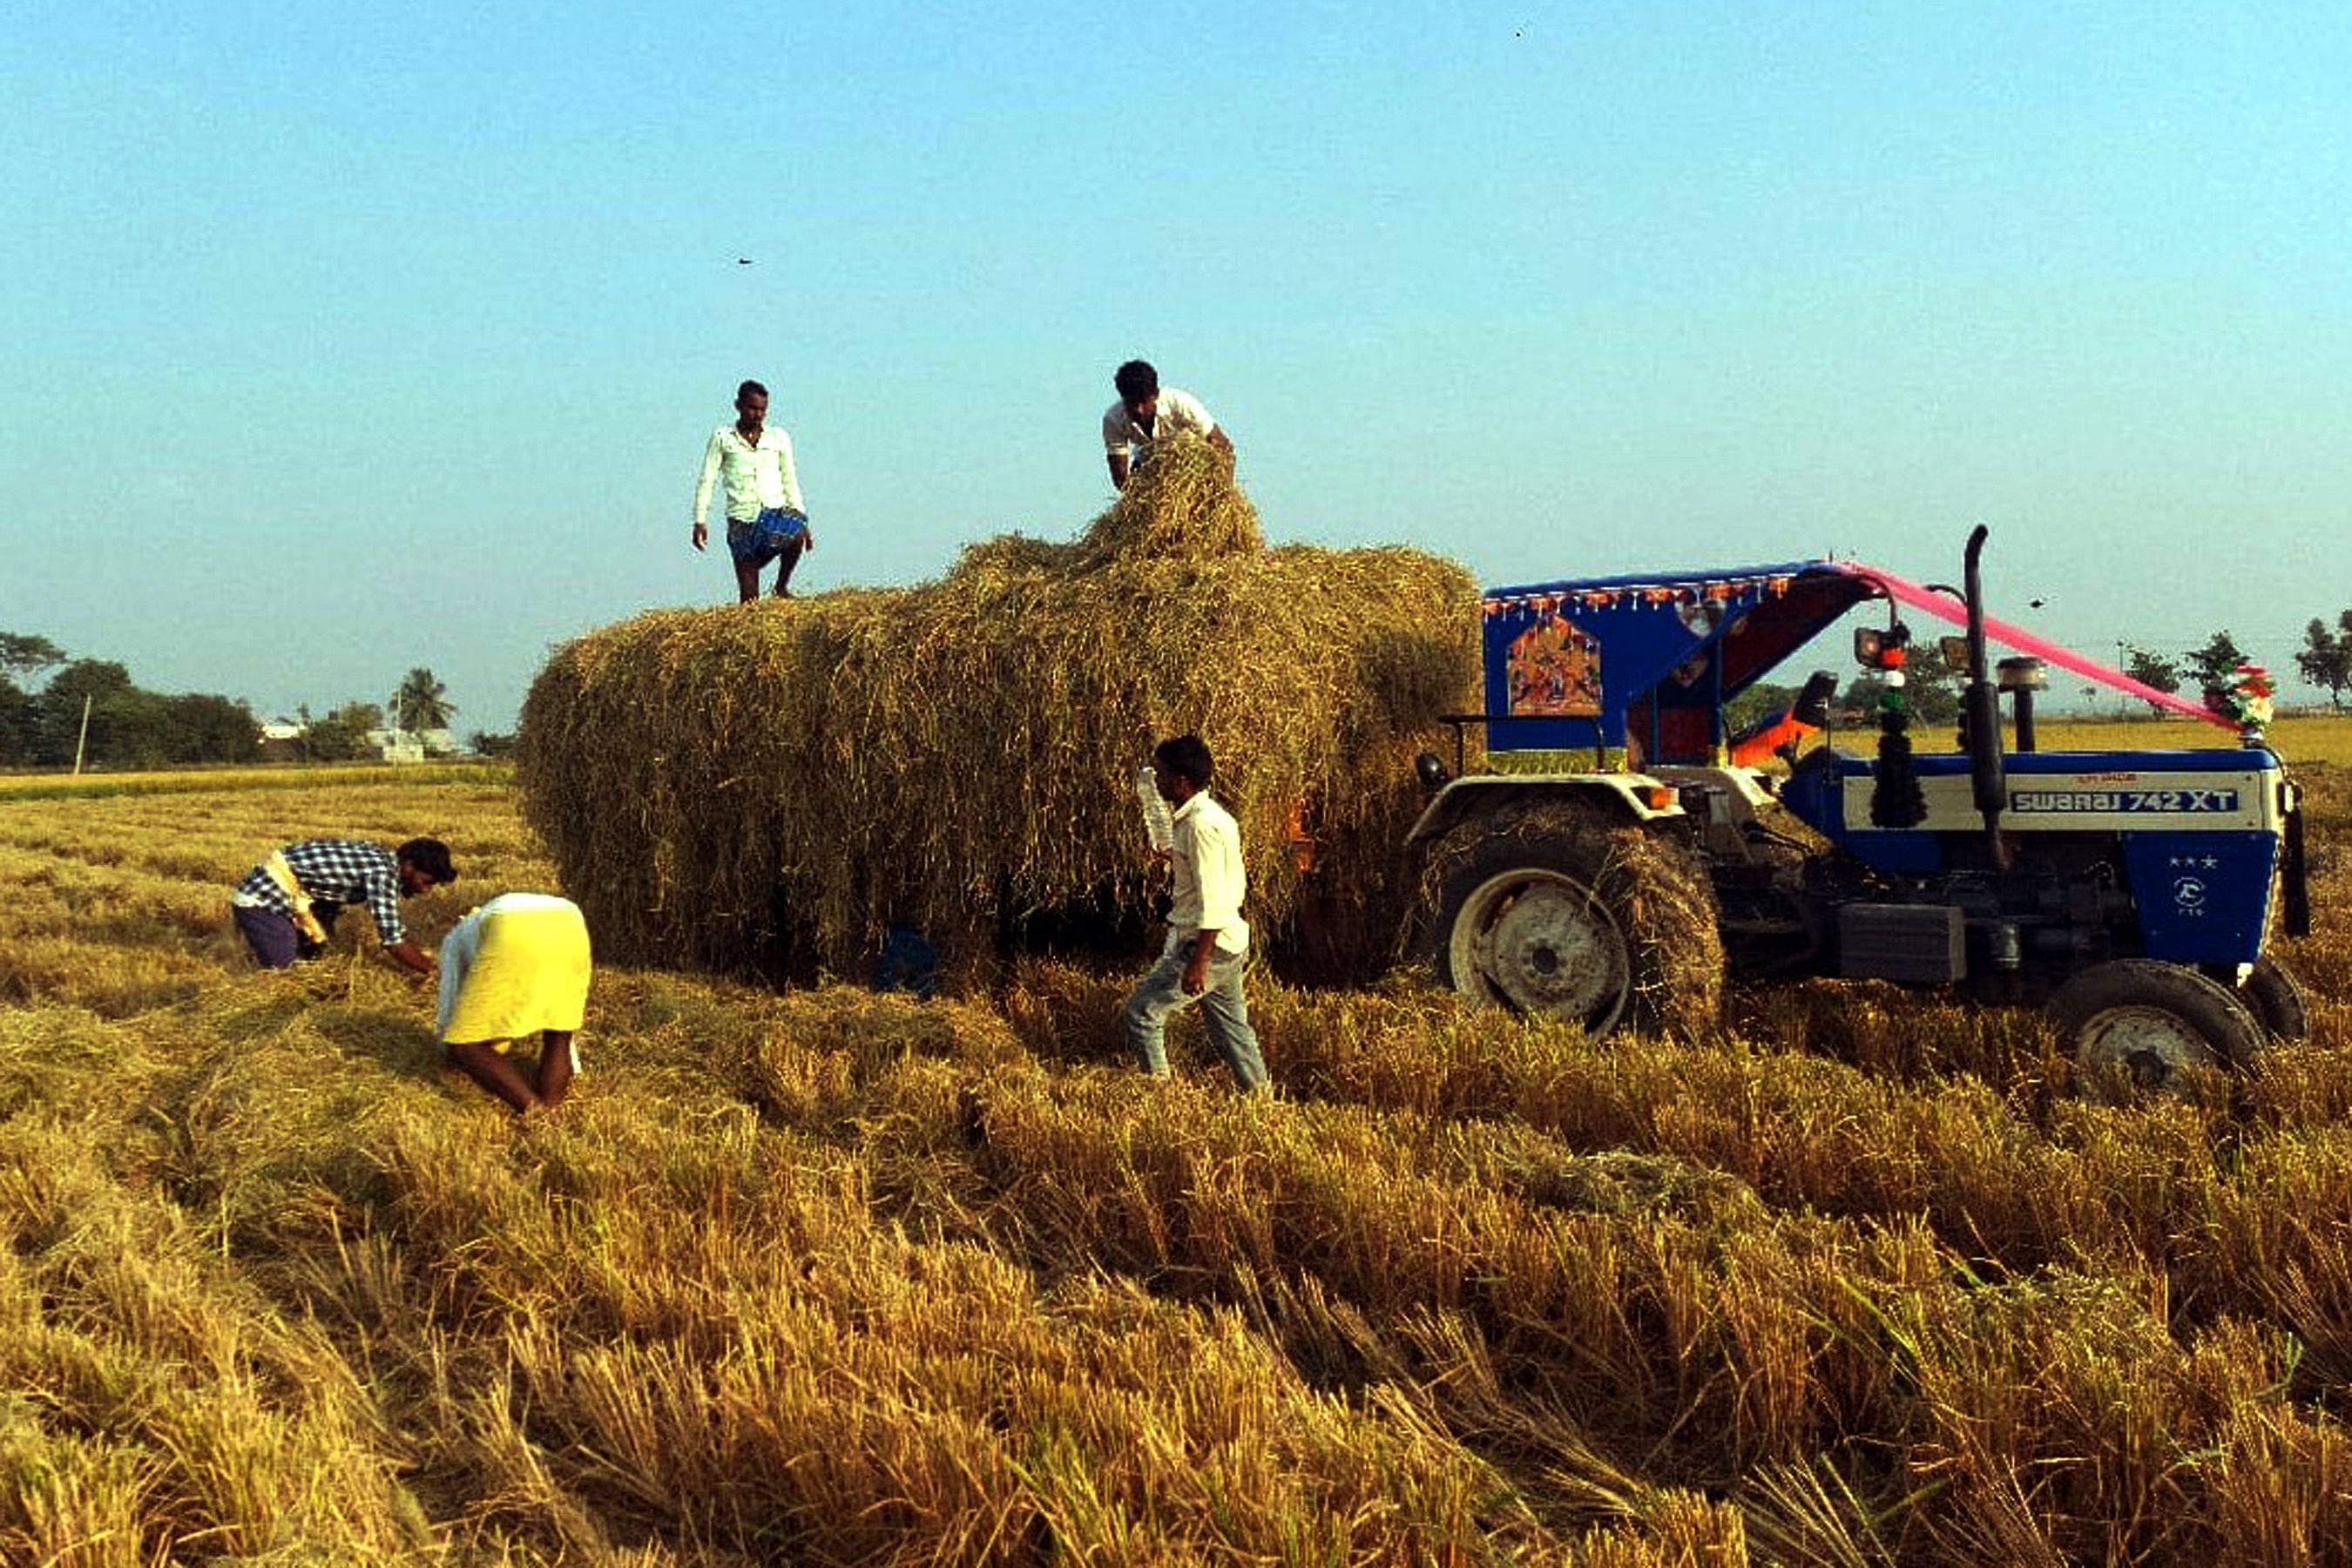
<point x="1949" y="607"/>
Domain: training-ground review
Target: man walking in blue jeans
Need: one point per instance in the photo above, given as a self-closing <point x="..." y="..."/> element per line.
<point x="1208" y="941"/>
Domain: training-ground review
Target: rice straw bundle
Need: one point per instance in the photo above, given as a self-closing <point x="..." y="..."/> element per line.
<point x="714" y="782"/>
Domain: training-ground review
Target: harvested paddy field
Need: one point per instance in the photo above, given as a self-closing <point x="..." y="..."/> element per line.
<point x="820" y="1275"/>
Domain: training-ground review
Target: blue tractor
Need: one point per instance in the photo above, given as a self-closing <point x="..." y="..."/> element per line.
<point x="1627" y="850"/>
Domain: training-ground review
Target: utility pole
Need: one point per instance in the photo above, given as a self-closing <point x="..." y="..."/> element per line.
<point x="83" y="739"/>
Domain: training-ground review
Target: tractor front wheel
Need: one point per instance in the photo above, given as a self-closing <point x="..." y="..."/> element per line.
<point x="2272" y="994"/>
<point x="2137" y="1027"/>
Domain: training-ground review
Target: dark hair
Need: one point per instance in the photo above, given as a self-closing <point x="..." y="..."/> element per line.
<point x="431" y="857"/>
<point x="1187" y="756"/>
<point x="1135" y="380"/>
<point x="749" y="389"/>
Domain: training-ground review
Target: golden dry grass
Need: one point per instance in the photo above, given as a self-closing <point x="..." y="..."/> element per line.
<point x="294" y="777"/>
<point x="2304" y="739"/>
<point x="118" y="901"/>
<point x="830" y="1276"/>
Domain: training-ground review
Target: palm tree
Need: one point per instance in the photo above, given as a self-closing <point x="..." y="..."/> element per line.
<point x="422" y="703"/>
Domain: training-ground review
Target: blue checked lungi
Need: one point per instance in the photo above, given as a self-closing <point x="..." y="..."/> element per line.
<point x="756" y="541"/>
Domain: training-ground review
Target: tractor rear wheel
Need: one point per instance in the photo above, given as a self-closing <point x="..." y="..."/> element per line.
<point x="1562" y="909"/>
<point x="2137" y="1027"/>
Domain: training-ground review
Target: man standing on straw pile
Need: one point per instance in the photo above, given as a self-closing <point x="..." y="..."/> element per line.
<point x="1208" y="941"/>
<point x="285" y="907"/>
<point x="1147" y="413"/>
<point x="765" y="519"/>
<point x="516" y="967"/>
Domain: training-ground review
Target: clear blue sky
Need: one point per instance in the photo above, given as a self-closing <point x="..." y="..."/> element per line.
<point x="338" y="339"/>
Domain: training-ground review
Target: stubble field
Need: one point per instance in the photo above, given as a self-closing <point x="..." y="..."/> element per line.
<point x="828" y="1277"/>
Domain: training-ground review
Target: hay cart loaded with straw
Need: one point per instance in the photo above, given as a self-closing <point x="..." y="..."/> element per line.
<point x="769" y="790"/>
<point x="2132" y="894"/>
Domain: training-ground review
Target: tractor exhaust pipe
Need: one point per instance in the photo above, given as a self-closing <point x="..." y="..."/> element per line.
<point x="1988" y="780"/>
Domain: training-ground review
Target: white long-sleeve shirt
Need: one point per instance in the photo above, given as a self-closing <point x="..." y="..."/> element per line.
<point x="1209" y="879"/>
<point x="758" y="476"/>
<point x="1174" y="414"/>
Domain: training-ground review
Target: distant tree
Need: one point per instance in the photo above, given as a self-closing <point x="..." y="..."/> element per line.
<point x="1933" y="701"/>
<point x="213" y="729"/>
<point x="19" y="719"/>
<point x="2326" y="660"/>
<point x="482" y="743"/>
<point x="422" y="703"/>
<point x="59" y="709"/>
<point x="2154" y="670"/>
<point x="131" y="728"/>
<point x="126" y="726"/>
<point x="22" y="654"/>
<point x="134" y="728"/>
<point x="1929" y="698"/>
<point x="1759" y="701"/>
<point x="2214" y="667"/>
<point x="342" y="735"/>
<point x="330" y="740"/>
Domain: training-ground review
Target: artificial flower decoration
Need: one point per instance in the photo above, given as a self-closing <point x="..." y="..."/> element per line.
<point x="2245" y="701"/>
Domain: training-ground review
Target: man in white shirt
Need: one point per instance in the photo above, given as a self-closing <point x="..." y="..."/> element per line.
<point x="1208" y="941"/>
<point x="1147" y="413"/>
<point x="765" y="519"/>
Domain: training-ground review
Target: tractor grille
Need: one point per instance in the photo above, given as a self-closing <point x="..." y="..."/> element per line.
<point x="1917" y="944"/>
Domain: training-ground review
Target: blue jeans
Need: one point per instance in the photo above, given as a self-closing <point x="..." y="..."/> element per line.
<point x="1224" y="1010"/>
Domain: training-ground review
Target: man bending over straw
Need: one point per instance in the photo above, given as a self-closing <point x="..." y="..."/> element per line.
<point x="1148" y="414"/>
<point x="1208" y="941"/>
<point x="515" y="967"/>
<point x="285" y="907"/>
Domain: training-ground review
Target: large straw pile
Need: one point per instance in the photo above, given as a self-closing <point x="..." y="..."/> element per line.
<point x="718" y="785"/>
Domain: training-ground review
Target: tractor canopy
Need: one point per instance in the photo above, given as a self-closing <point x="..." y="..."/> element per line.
<point x="1642" y="665"/>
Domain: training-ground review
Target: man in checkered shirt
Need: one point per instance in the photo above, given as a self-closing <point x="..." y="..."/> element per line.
<point x="285" y="907"/>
